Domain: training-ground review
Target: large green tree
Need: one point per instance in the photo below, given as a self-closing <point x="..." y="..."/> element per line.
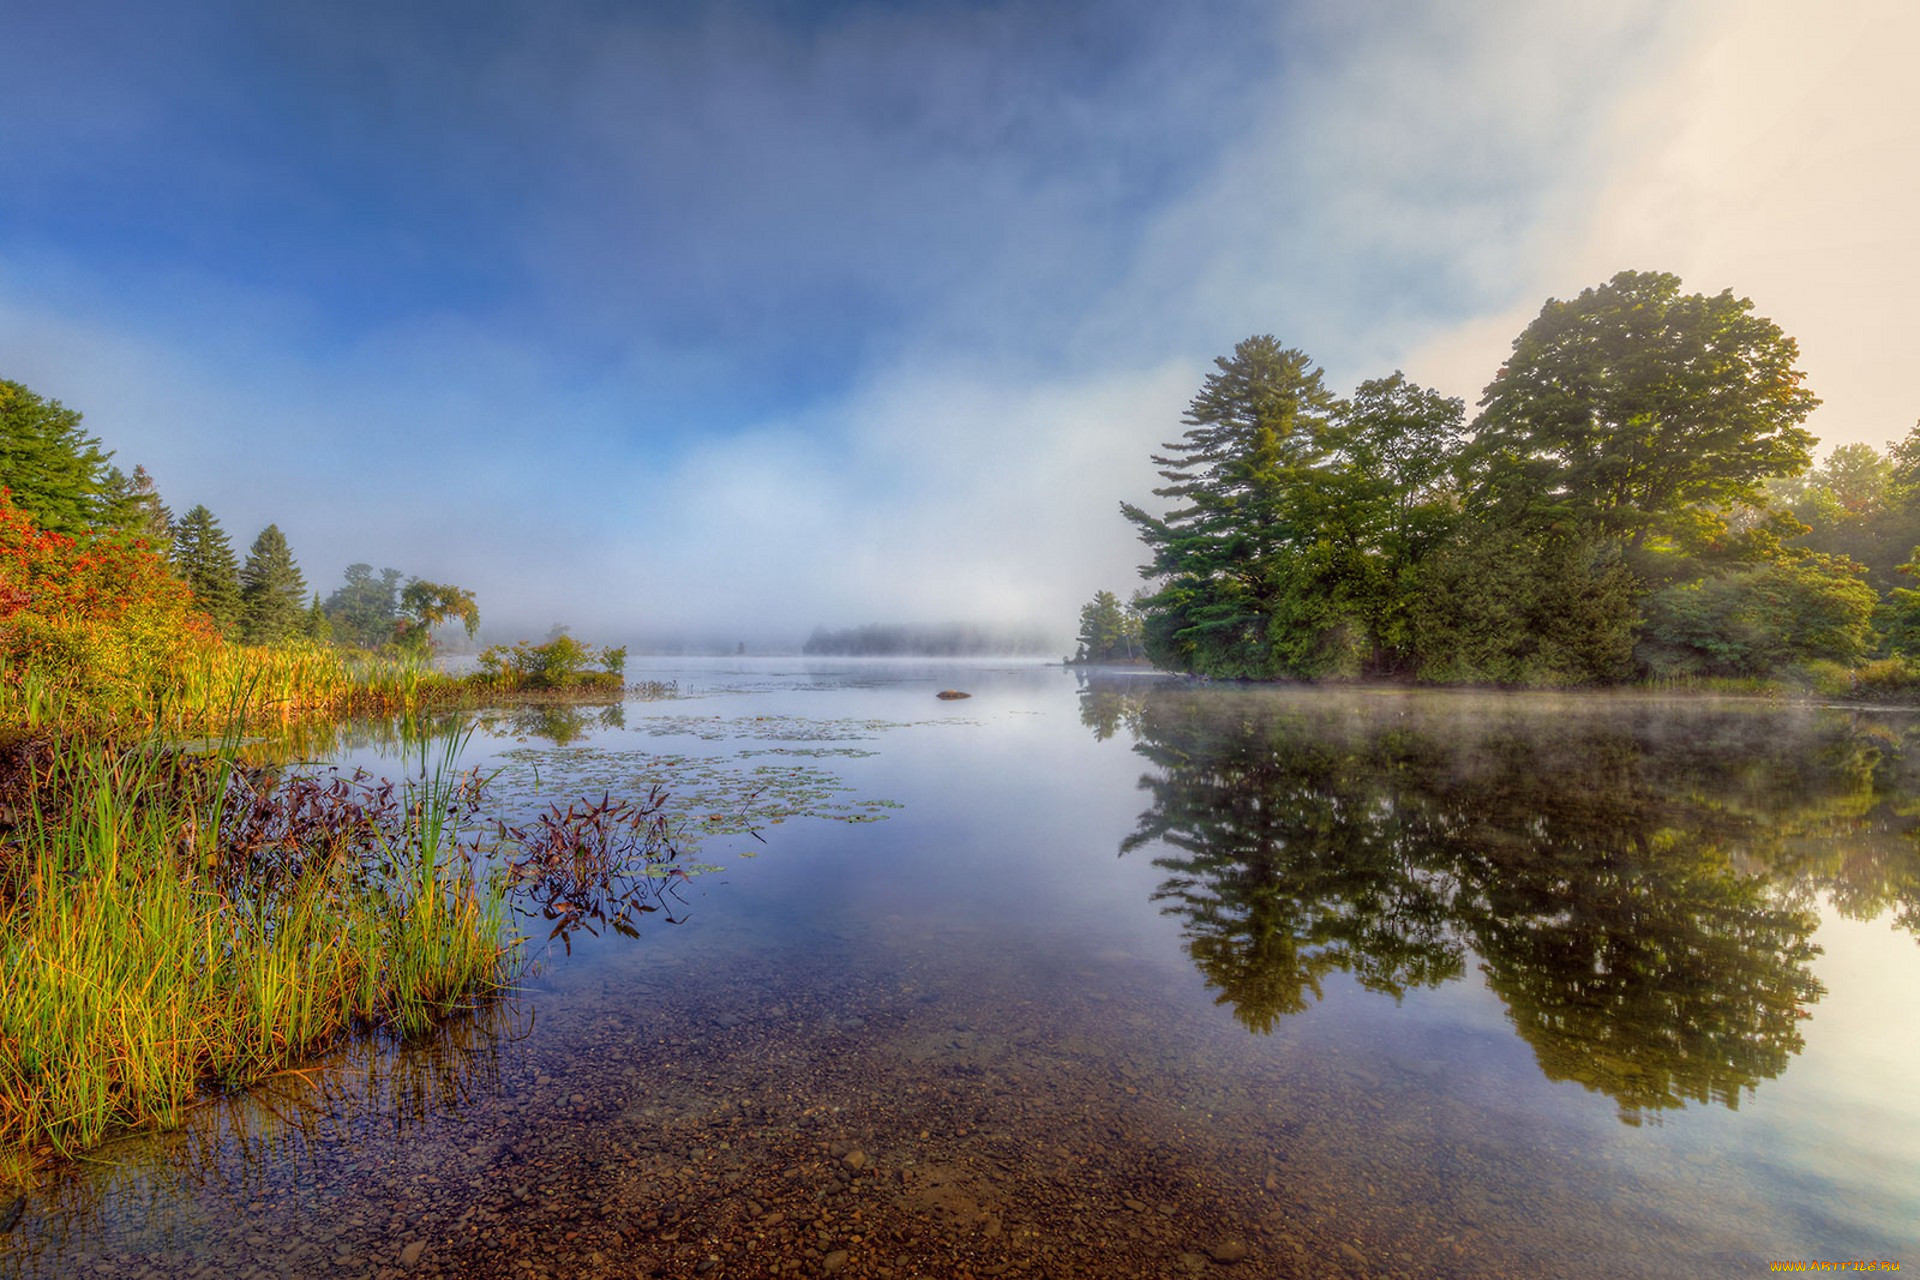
<point x="203" y="557"/>
<point x="1402" y="444"/>
<point x="1302" y="521"/>
<point x="1634" y="402"/>
<point x="56" y="472"/>
<point x="1248" y="582"/>
<point x="272" y="591"/>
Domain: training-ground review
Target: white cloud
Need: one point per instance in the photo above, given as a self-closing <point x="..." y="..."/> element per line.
<point x="1779" y="156"/>
<point x="948" y="496"/>
<point x="1387" y="193"/>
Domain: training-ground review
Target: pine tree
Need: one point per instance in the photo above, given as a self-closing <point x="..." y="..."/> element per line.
<point x="1240" y="591"/>
<point x="132" y="507"/>
<point x="272" y="590"/>
<point x="56" y="472"/>
<point x="203" y="557"/>
<point x="316" y="626"/>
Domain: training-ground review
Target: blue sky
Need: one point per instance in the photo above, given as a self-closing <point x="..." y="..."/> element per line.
<point x="732" y="320"/>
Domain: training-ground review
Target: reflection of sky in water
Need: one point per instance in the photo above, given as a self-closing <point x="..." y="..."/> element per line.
<point x="984" y="953"/>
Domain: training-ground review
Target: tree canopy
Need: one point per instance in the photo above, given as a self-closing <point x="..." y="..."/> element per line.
<point x="56" y="472"/>
<point x="1633" y="402"/>
<point x="132" y="507"/>
<point x="1301" y="520"/>
<point x="1109" y="630"/>
<point x="1605" y="514"/>
<point x="1244" y="484"/>
<point x="363" y="610"/>
<point x="425" y="605"/>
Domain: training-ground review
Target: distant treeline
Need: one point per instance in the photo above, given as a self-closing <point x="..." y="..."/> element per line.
<point x="946" y="640"/>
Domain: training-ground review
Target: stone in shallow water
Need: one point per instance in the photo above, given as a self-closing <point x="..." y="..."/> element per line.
<point x="1228" y="1251"/>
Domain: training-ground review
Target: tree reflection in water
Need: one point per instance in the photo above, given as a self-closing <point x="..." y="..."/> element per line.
<point x="1637" y="880"/>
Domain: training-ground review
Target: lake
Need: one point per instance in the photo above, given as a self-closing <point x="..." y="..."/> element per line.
<point x="1106" y="974"/>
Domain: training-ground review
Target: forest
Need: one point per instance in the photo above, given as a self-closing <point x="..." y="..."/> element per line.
<point x="58" y="476"/>
<point x="1635" y="500"/>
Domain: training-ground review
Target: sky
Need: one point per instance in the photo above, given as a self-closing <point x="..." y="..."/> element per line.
<point x="722" y="321"/>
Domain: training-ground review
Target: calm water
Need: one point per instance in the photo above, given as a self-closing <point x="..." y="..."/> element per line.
<point x="1119" y="976"/>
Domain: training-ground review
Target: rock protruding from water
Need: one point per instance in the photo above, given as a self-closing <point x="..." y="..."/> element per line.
<point x="951" y="695"/>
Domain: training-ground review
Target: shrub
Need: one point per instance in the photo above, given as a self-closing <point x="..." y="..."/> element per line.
<point x="98" y="624"/>
<point x="561" y="663"/>
<point x="1759" y="619"/>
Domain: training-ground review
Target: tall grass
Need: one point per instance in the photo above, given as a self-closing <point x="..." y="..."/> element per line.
<point x="141" y="967"/>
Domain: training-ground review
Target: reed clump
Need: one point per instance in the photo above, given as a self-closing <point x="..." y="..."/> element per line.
<point x="173" y="925"/>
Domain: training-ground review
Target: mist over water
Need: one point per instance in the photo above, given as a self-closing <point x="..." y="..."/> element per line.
<point x="1120" y="975"/>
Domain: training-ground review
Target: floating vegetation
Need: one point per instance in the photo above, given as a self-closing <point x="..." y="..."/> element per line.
<point x="848" y="753"/>
<point x="703" y="796"/>
<point x="776" y="728"/>
<point x="605" y="863"/>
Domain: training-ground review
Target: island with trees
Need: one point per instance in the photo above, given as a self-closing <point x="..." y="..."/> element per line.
<point x="921" y="640"/>
<point x="1633" y="501"/>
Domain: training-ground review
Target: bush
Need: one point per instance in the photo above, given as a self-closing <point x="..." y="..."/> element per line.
<point x="97" y="624"/>
<point x="561" y="663"/>
<point x="1759" y="619"/>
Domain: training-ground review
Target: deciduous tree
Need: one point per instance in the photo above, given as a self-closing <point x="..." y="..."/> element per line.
<point x="1634" y="401"/>
<point x="425" y="605"/>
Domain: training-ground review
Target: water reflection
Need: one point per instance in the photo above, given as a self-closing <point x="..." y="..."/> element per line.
<point x="1636" y="883"/>
<point x="245" y="1147"/>
<point x="562" y="724"/>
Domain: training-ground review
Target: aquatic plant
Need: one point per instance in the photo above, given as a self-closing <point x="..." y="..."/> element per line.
<point x="174" y="926"/>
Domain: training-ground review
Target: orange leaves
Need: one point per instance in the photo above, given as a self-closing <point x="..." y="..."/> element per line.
<point x="100" y="618"/>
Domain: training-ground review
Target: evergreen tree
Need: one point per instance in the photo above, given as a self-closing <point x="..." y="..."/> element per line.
<point x="134" y="509"/>
<point x="271" y="590"/>
<point x="1109" y="631"/>
<point x="56" y="472"/>
<point x="1241" y="553"/>
<point x="364" y="610"/>
<point x="316" y="626"/>
<point x="203" y="557"/>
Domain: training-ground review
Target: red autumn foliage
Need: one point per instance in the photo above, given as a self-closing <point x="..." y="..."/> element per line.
<point x="92" y="615"/>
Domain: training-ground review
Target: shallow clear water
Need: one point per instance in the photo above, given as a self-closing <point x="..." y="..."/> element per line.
<point x="1116" y="976"/>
